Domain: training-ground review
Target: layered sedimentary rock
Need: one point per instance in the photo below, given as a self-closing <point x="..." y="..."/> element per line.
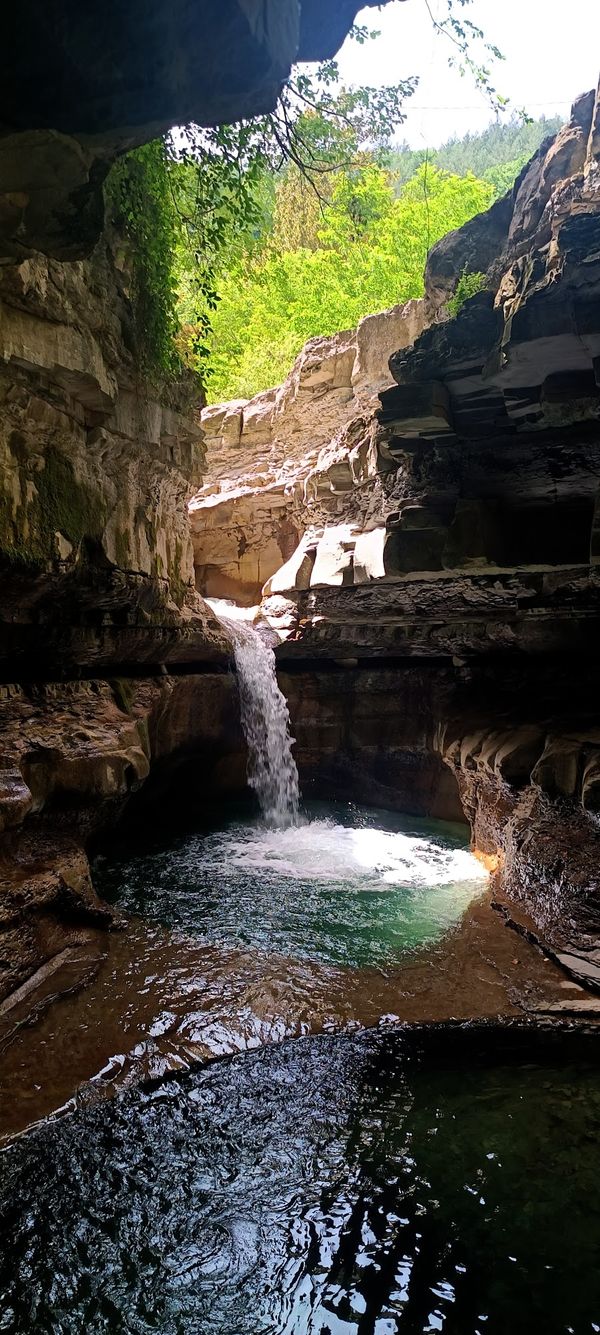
<point x="490" y="445"/>
<point x="74" y="756"/>
<point x="503" y="750"/>
<point x="488" y="441"/>
<point x="96" y="466"/>
<point x="445" y="599"/>
<point x="294" y="459"/>
<point x="96" y="462"/>
<point x="428" y="560"/>
<point x="94" y="475"/>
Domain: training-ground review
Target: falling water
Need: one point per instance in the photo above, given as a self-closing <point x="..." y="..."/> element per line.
<point x="272" y="769"/>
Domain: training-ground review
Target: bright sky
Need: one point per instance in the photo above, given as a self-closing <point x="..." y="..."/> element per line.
<point x="552" y="54"/>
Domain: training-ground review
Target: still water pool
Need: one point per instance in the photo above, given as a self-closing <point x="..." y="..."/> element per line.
<point x="346" y="886"/>
<point x="348" y="1185"/>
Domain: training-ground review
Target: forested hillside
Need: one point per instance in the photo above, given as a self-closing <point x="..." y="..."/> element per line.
<point x="323" y="263"/>
<point x="248" y="240"/>
<point x="496" y="155"/>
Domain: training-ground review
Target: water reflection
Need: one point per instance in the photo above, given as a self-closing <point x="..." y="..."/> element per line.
<point x="348" y="886"/>
<point x="337" y="1185"/>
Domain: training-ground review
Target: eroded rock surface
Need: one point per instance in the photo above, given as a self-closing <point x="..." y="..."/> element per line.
<point x="97" y="462"/>
<point x="443" y="597"/>
<point x="282" y="466"/>
<point x="425" y="536"/>
<point x="95" y="471"/>
<point x="73" y="755"/>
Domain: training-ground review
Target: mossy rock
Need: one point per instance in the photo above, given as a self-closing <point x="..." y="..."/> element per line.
<point x="61" y="505"/>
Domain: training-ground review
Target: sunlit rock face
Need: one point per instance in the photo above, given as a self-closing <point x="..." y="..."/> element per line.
<point x="487" y="444"/>
<point x="446" y="564"/>
<point x="95" y="472"/>
<point x="294" y="459"/>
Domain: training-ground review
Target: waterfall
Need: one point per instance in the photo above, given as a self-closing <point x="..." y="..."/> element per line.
<point x="272" y="771"/>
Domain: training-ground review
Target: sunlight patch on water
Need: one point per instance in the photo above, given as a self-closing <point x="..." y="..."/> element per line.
<point x="324" y="851"/>
<point x="350" y="886"/>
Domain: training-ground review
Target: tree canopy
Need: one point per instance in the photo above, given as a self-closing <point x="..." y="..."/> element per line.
<point x="246" y="240"/>
<point x="364" y="252"/>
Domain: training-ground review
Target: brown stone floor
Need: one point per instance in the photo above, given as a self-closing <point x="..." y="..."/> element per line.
<point x="114" y="1009"/>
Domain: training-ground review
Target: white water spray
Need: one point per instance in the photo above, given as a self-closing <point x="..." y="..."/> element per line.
<point x="272" y="771"/>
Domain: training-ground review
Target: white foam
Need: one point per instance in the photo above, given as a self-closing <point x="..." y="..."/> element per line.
<point x="322" y="851"/>
<point x="272" y="769"/>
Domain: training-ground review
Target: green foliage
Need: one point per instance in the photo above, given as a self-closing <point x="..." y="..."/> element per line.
<point x="370" y="254"/>
<point x="138" y="193"/>
<point x="246" y="240"/>
<point x="183" y="201"/>
<point x="468" y="285"/>
<point x="495" y="155"/>
<point x="503" y="177"/>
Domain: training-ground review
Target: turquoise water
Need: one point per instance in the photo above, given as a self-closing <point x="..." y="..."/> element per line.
<point x="331" y="1186"/>
<point x="348" y="885"/>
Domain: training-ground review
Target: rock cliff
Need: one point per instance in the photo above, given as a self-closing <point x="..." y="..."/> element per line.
<point x="447" y="559"/>
<point x="95" y="472"/>
<point x="97" y="596"/>
<point x="80" y="84"/>
<point x="417" y="505"/>
<point x="283" y="466"/>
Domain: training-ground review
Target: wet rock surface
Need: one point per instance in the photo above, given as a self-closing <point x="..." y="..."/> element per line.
<point x="368" y="1178"/>
<point x="74" y="756"/>
<point x="160" y="1002"/>
<point x="427" y="555"/>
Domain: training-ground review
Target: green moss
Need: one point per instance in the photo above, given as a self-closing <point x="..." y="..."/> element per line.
<point x="14" y="552"/>
<point x="61" y="504"/>
<point x="123" y="693"/>
<point x="177" y="586"/>
<point x="122" y="550"/>
<point x="65" y="505"/>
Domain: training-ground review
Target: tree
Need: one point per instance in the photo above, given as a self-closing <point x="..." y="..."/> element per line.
<point x="370" y="255"/>
<point x="225" y="199"/>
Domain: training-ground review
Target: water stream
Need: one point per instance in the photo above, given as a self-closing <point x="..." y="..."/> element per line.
<point x="345" y="1184"/>
<point x="347" y="885"/>
<point x="332" y="1186"/>
<point x="272" y="771"/>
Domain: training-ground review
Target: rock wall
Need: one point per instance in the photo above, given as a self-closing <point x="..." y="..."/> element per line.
<point x="441" y="608"/>
<point x="370" y="735"/>
<point x="488" y="443"/>
<point x="97" y="597"/>
<point x="80" y="84"/>
<point x="96" y="578"/>
<point x="431" y="564"/>
<point x="505" y="753"/>
<point x="73" y="758"/>
<point x="95" y="472"/>
<point x="284" y="465"/>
